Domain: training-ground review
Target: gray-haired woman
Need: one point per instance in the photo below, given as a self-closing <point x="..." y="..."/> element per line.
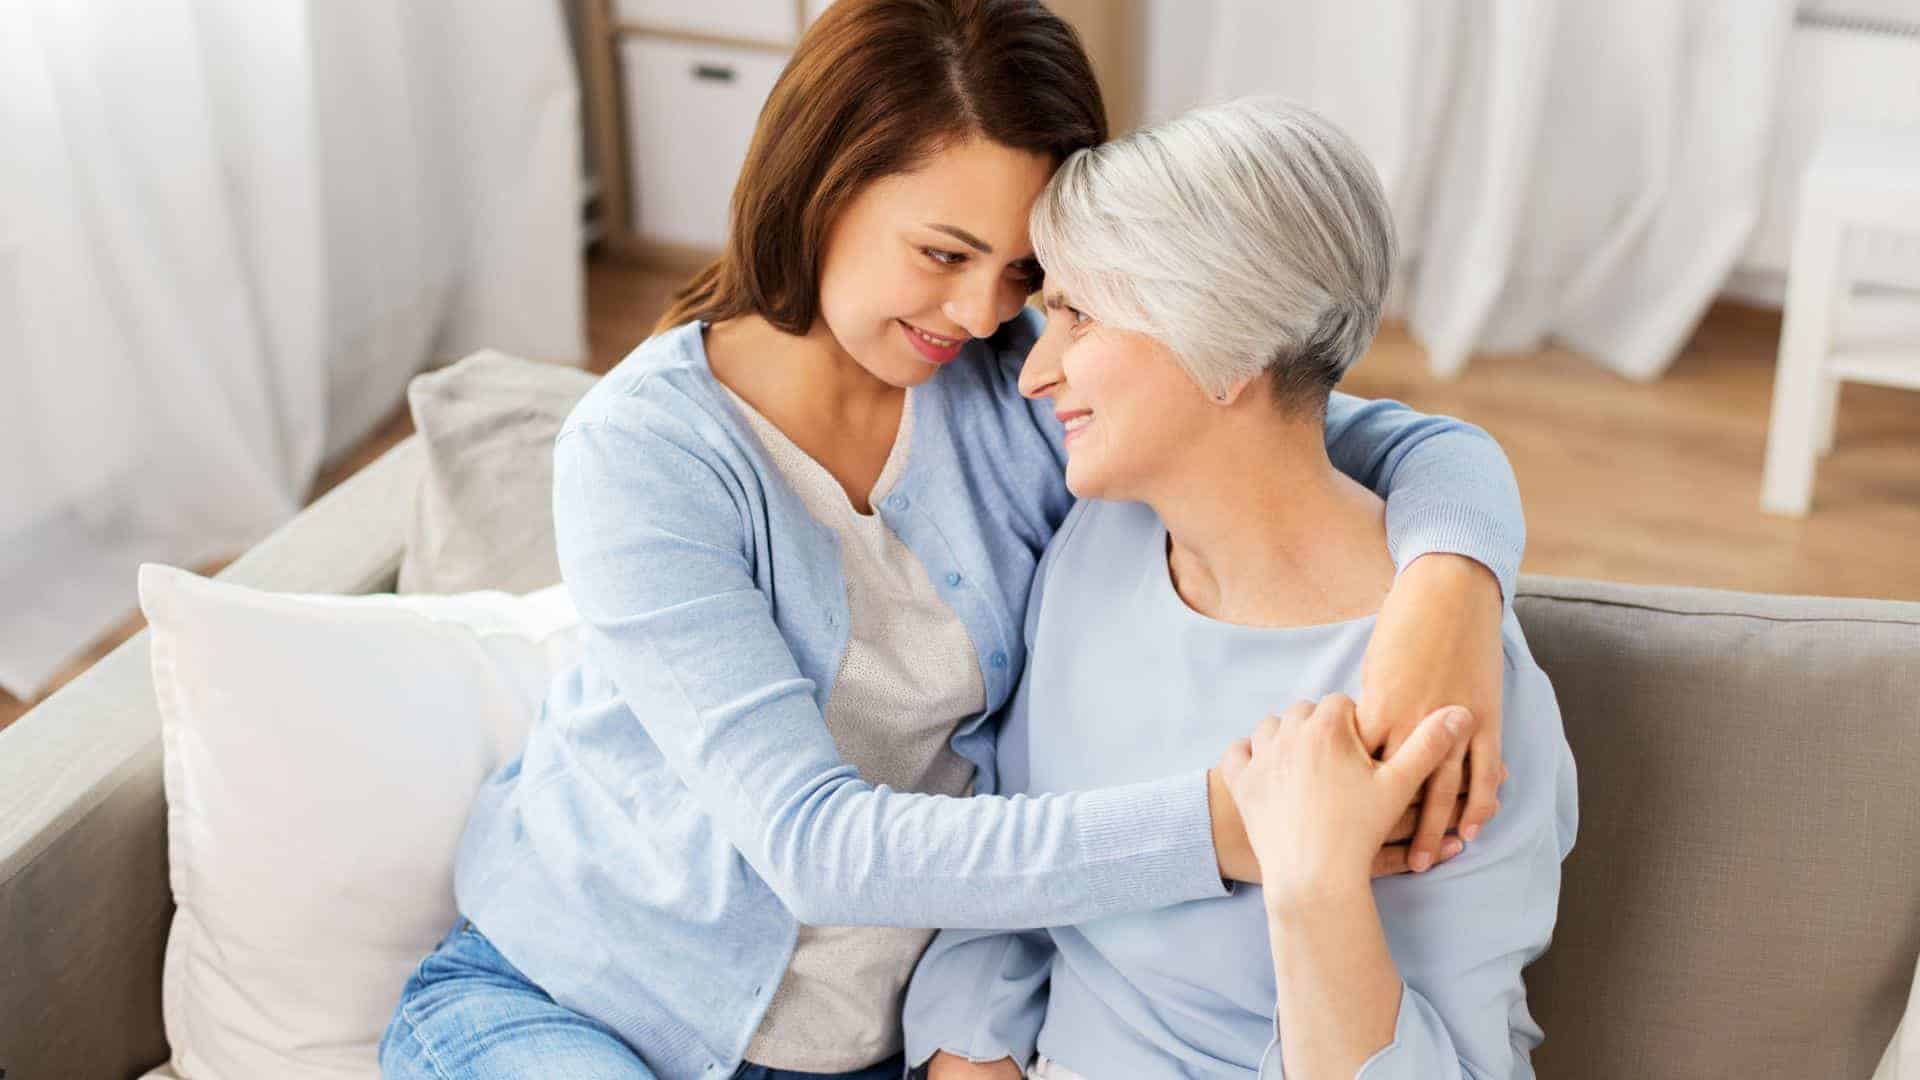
<point x="1209" y="281"/>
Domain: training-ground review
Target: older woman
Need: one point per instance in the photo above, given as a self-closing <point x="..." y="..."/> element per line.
<point x="1209" y="282"/>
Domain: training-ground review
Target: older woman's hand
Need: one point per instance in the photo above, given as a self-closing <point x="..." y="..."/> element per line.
<point x="1315" y="803"/>
<point x="1437" y="643"/>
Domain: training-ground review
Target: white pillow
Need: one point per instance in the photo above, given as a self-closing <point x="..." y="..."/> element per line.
<point x="321" y="753"/>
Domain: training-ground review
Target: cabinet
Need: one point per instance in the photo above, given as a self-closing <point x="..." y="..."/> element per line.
<point x="770" y="22"/>
<point x="690" y="110"/>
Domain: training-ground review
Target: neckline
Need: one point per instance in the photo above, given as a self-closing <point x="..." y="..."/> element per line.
<point x="1166" y="596"/>
<point x="819" y="475"/>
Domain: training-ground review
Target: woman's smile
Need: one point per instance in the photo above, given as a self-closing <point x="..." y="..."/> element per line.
<point x="1075" y="422"/>
<point x="935" y="350"/>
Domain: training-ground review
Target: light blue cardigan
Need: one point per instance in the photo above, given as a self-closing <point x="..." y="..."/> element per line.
<point x="680" y="807"/>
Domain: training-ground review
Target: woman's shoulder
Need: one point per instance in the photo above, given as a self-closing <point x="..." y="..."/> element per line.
<point x="655" y="425"/>
<point x="663" y="386"/>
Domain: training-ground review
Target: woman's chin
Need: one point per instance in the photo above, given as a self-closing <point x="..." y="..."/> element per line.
<point x="1084" y="482"/>
<point x="903" y="372"/>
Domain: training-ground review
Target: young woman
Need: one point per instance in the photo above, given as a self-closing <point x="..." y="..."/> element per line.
<point x="801" y="524"/>
<point x="1186" y="589"/>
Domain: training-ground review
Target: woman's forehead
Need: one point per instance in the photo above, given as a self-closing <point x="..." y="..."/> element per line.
<point x="980" y="188"/>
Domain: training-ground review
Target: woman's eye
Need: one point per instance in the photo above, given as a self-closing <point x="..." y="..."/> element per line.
<point x="944" y="258"/>
<point x="1075" y="317"/>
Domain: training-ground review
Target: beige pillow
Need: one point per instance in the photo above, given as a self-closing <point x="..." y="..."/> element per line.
<point x="484" y="518"/>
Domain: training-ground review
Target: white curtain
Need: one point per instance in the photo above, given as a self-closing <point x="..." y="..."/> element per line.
<point x="1583" y="173"/>
<point x="230" y="231"/>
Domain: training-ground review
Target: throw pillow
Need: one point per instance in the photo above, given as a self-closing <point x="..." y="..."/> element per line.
<point x="320" y="756"/>
<point x="484" y="517"/>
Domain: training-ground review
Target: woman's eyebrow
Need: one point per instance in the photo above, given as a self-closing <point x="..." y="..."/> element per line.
<point x="964" y="237"/>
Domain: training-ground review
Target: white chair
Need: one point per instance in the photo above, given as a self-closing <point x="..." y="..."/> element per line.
<point x="1856" y="189"/>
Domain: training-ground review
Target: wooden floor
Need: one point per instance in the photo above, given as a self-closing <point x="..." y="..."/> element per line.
<point x="1646" y="482"/>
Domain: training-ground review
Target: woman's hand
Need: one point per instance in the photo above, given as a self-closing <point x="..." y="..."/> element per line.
<point x="1235" y="852"/>
<point x="1317" y="806"/>
<point x="1437" y="643"/>
<point x="945" y="1066"/>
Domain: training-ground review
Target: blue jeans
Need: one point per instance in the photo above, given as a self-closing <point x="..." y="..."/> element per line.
<point x="468" y="1014"/>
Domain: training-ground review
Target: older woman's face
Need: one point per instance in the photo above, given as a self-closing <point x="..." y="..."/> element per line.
<point x="1131" y="413"/>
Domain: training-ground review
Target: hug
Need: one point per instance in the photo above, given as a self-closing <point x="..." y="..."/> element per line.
<point x="1083" y="691"/>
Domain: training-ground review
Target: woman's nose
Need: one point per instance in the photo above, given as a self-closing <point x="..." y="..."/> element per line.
<point x="975" y="312"/>
<point x="1041" y="371"/>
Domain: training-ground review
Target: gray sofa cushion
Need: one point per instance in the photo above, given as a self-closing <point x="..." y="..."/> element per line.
<point x="483" y="519"/>
<point x="1744" y="897"/>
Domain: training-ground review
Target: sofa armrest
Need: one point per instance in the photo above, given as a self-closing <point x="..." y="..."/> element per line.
<point x="85" y="902"/>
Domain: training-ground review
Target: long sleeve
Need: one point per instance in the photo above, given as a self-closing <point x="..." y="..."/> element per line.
<point x="653" y="549"/>
<point x="981" y="994"/>
<point x="1447" y="484"/>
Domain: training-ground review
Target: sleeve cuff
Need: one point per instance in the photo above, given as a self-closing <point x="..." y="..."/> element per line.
<point x="1387" y="1063"/>
<point x="1449" y="529"/>
<point x="1150" y="845"/>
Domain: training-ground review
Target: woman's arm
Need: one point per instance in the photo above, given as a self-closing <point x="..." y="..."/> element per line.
<point x="654" y="550"/>
<point x="978" y="998"/>
<point x="1413" y="976"/>
<point x="1448" y="486"/>
<point x="1456" y="532"/>
<point x="1317" y="805"/>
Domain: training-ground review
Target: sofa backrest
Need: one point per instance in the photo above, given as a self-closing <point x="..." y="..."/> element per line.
<point x="1743" y="899"/>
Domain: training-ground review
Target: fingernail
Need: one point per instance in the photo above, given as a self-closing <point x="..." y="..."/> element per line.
<point x="1457" y="720"/>
<point x="1420" y="862"/>
<point x="1452" y="848"/>
<point x="1469" y="831"/>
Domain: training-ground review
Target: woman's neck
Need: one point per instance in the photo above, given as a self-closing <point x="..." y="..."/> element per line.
<point x="798" y="375"/>
<point x="837" y="412"/>
<point x="1264" y="531"/>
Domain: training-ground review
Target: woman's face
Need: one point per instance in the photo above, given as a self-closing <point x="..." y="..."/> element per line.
<point x="920" y="262"/>
<point x="1130" y="410"/>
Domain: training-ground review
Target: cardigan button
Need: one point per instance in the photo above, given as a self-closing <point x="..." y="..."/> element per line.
<point x="953" y="580"/>
<point x="998" y="659"/>
<point x="898" y="502"/>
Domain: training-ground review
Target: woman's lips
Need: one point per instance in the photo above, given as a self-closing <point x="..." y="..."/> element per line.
<point x="1075" y="423"/>
<point x="928" y="348"/>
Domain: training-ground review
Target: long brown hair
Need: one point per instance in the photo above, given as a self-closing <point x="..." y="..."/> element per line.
<point x="873" y="88"/>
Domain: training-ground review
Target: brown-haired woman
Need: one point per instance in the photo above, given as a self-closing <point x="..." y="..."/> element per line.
<point x="800" y="523"/>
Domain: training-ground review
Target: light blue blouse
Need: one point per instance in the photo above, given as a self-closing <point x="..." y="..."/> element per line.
<point x="679" y="807"/>
<point x="1125" y="682"/>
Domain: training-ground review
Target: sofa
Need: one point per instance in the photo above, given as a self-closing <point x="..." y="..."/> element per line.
<point x="1743" y="900"/>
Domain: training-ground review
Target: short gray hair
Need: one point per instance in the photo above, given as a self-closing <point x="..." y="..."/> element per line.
<point x="1247" y="236"/>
